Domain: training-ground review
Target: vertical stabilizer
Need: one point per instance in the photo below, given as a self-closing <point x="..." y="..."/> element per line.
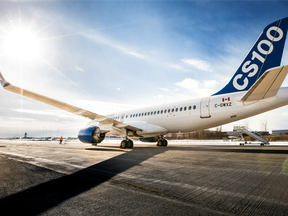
<point x="266" y="53"/>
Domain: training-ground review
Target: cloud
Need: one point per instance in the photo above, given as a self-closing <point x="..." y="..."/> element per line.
<point x="130" y="52"/>
<point x="199" y="64"/>
<point x="58" y="113"/>
<point x="210" y="83"/>
<point x="17" y="119"/>
<point x="78" y="68"/>
<point x="169" y="90"/>
<point x="165" y="89"/>
<point x="178" y="67"/>
<point x="158" y="96"/>
<point x="102" y="39"/>
<point x="203" y="88"/>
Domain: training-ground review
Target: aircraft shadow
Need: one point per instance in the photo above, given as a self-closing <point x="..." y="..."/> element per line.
<point x="42" y="197"/>
<point x="104" y="149"/>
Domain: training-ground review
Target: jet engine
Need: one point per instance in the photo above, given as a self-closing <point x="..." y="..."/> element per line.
<point x="91" y="134"/>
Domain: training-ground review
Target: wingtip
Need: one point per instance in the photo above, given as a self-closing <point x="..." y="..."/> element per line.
<point x="3" y="82"/>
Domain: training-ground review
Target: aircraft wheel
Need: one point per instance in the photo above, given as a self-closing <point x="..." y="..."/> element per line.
<point x="130" y="144"/>
<point x="160" y="143"/>
<point x="165" y="142"/>
<point x="124" y="144"/>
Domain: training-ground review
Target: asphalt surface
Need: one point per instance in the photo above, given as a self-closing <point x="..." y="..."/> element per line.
<point x="45" y="178"/>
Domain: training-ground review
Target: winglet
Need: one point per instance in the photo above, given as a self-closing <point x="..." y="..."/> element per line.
<point x="3" y="82"/>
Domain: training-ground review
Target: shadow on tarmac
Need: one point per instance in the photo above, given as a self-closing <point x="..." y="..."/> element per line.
<point x="47" y="195"/>
<point x="104" y="149"/>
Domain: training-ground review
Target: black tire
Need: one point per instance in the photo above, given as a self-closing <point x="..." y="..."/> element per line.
<point x="160" y="143"/>
<point x="130" y="144"/>
<point x="124" y="144"/>
<point x="165" y="142"/>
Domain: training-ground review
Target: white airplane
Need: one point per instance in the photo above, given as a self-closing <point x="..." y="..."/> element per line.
<point x="254" y="89"/>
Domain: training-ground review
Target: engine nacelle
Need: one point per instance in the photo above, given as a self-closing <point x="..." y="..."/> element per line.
<point x="91" y="134"/>
<point x="149" y="139"/>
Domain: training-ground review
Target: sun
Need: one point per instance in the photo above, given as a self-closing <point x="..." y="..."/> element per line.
<point x="21" y="44"/>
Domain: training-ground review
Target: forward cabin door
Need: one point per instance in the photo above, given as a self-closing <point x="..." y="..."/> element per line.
<point x="205" y="108"/>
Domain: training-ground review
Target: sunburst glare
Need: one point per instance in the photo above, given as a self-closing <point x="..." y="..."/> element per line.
<point x="22" y="44"/>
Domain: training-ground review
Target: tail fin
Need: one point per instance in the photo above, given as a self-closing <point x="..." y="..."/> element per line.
<point x="266" y="53"/>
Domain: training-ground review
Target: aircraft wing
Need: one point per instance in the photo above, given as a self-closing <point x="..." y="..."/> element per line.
<point x="103" y="120"/>
<point x="267" y="85"/>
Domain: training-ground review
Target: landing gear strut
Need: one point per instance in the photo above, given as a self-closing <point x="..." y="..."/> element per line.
<point x="127" y="143"/>
<point x="162" y="142"/>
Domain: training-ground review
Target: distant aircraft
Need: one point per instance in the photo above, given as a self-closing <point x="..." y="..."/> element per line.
<point x="253" y="89"/>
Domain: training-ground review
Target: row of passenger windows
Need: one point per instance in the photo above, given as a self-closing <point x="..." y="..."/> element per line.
<point x="159" y="112"/>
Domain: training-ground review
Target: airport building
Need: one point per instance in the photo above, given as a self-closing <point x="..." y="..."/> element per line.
<point x="278" y="132"/>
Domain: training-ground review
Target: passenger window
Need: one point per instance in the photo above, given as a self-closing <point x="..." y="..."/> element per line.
<point x="176" y="110"/>
<point x="165" y="111"/>
<point x="155" y="113"/>
<point x="161" y="111"/>
<point x="194" y="107"/>
<point x="158" y="112"/>
<point x="168" y="110"/>
<point x="136" y="115"/>
<point x="133" y="115"/>
<point x="145" y="114"/>
<point x="126" y="116"/>
<point x="189" y="107"/>
<point x="185" y="108"/>
<point x="148" y="113"/>
<point x="172" y="110"/>
<point x="152" y="113"/>
<point x="142" y="114"/>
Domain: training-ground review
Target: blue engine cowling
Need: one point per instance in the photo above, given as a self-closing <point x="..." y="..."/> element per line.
<point x="149" y="139"/>
<point x="91" y="134"/>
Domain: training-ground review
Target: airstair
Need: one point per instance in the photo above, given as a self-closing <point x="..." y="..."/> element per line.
<point x="244" y="130"/>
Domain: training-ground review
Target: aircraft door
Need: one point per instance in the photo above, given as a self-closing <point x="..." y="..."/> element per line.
<point x="205" y="108"/>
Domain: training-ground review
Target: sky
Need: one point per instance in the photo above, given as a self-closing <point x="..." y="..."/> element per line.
<point x="107" y="56"/>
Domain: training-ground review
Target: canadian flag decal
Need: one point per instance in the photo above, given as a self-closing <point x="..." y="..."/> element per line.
<point x="225" y="99"/>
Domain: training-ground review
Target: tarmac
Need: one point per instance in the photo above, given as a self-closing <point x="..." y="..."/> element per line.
<point x="45" y="178"/>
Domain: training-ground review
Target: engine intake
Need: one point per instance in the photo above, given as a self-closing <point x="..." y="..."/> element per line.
<point x="91" y="134"/>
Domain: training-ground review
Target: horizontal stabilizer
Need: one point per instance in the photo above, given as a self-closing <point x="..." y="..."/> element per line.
<point x="267" y="85"/>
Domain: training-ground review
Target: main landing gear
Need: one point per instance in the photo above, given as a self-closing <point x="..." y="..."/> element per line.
<point x="162" y="142"/>
<point x="127" y="143"/>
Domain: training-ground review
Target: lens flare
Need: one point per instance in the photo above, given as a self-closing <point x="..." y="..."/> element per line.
<point x="21" y="44"/>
